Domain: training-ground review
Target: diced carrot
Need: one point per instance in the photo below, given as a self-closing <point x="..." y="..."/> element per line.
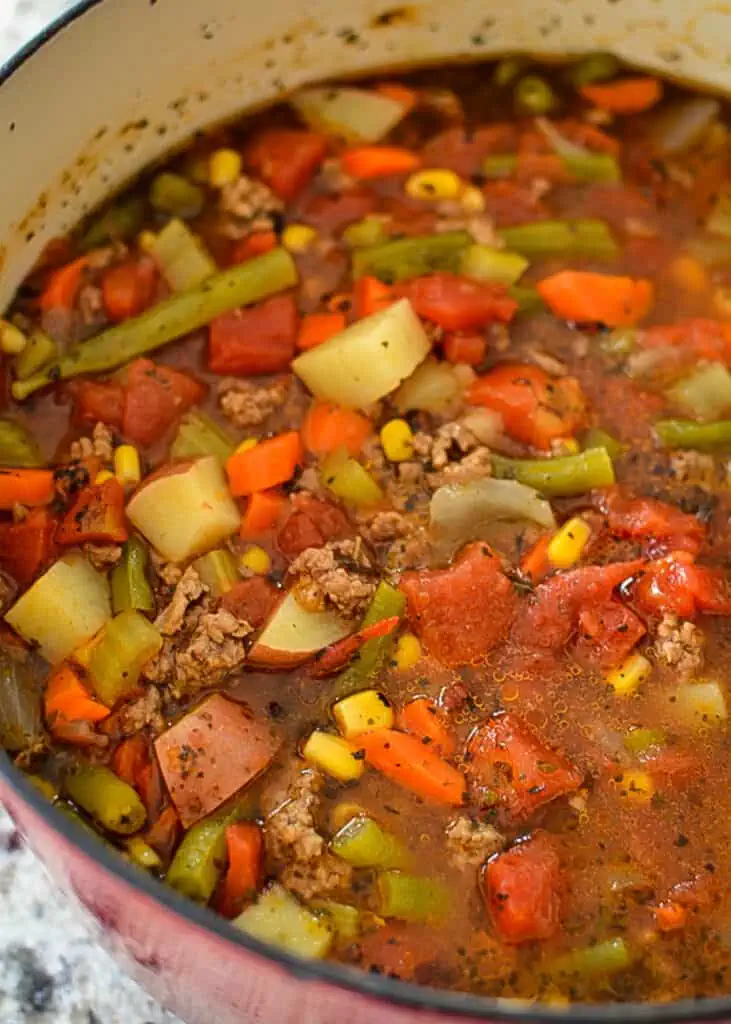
<point x="263" y="510"/>
<point x="267" y="465"/>
<point x="129" y="288"/>
<point x="410" y="763"/>
<point x="245" y="848"/>
<point x="328" y="427"/>
<point x="626" y="95"/>
<point x="318" y="328"/>
<point x="597" y="298"/>
<point x="421" y="718"/>
<point x="465" y="348"/>
<point x="130" y="758"/>
<point x="62" y="287"/>
<point x="534" y="563"/>
<point x="670" y="916"/>
<point x="371" y="296"/>
<point x="378" y="161"/>
<point x="25" y="487"/>
<point x="408" y="98"/>
<point x="67" y="698"/>
<point x="255" y="245"/>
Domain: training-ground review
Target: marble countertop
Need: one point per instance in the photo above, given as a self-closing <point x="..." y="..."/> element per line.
<point x="51" y="971"/>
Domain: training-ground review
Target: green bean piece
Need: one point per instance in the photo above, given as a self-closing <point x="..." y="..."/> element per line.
<point x="112" y="803"/>
<point x="199" y="435"/>
<point x="528" y="299"/>
<point x="705" y="393"/>
<point x="117" y="223"/>
<point x="411" y="257"/>
<point x="142" y="855"/>
<point x="597" y="438"/>
<point x="508" y="69"/>
<point x="596" y="67"/>
<point x="343" y="919"/>
<point x="639" y="741"/>
<point x="702" y="437"/>
<point x="218" y="570"/>
<point x="494" y="266"/>
<point x="199" y="860"/>
<point x="619" y="343"/>
<point x="594" y="168"/>
<point x="130" y="588"/>
<point x="533" y="95"/>
<point x="563" y="477"/>
<point x="548" y="238"/>
<point x="169" y="320"/>
<point x="18" y="448"/>
<point x="174" y="194"/>
<point x="607" y="957"/>
<point x="280" y="919"/>
<point x="387" y="602"/>
<point x="364" y="844"/>
<point x="410" y="898"/>
<point x="499" y="166"/>
<point x="366" y="233"/>
<point x="39" y="351"/>
<point x="127" y="644"/>
<point x="21" y="721"/>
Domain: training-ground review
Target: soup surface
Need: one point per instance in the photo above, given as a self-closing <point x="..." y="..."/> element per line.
<point x="365" y="525"/>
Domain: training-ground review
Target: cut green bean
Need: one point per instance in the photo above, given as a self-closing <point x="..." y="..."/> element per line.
<point x="508" y="69"/>
<point x="494" y="266"/>
<point x="199" y="435"/>
<point x="366" y="233"/>
<point x="498" y="166"/>
<point x="364" y="844"/>
<point x="593" y="168"/>
<point x="528" y="299"/>
<point x="639" y="741"/>
<point x="118" y="223"/>
<point x="597" y="438"/>
<point x="39" y="351"/>
<point x="604" y="958"/>
<point x="596" y="67"/>
<point x="181" y="314"/>
<point x="411" y="257"/>
<point x="689" y="434"/>
<point x="563" y="477"/>
<point x="218" y="570"/>
<point x="280" y="919"/>
<point x="201" y="856"/>
<point x="387" y="602"/>
<point x="130" y="588"/>
<point x="549" y="238"/>
<point x="174" y="194"/>
<point x="18" y="448"/>
<point x="112" y="803"/>
<point x="533" y="95"/>
<point x="410" y="898"/>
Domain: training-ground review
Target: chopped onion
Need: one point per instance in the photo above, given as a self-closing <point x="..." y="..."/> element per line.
<point x="679" y="125"/>
<point x="705" y="394"/>
<point x="485" y="424"/>
<point x="558" y="143"/>
<point x="430" y="388"/>
<point x="356" y="115"/>
<point x="20" y="705"/>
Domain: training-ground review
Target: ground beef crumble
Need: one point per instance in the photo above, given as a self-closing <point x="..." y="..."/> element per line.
<point x="103" y="556"/>
<point x="248" y="205"/>
<point x="469" y="842"/>
<point x="188" y="589"/>
<point x="337" y="575"/>
<point x="679" y="644"/>
<point x="249" y="404"/>
<point x="101" y="444"/>
<point x="138" y="714"/>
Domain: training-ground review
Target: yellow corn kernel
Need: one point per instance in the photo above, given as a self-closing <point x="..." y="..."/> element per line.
<point x="688" y="274"/>
<point x="102" y="476"/>
<point x="472" y="200"/>
<point x="298" y="237"/>
<point x="408" y="651"/>
<point x="361" y="712"/>
<point x="12" y="339"/>
<point x="247" y="444"/>
<point x="334" y="755"/>
<point x="567" y="544"/>
<point x="146" y="240"/>
<point x="627" y="677"/>
<point x="127" y="467"/>
<point x="344" y="812"/>
<point x="256" y="560"/>
<point x="635" y="786"/>
<point x="397" y="440"/>
<point x="722" y="302"/>
<point x="434" y="185"/>
<point x="224" y="167"/>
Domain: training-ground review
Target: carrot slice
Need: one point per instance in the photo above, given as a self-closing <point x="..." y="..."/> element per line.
<point x="535" y="563"/>
<point x="368" y="162"/>
<point x="25" y="487"/>
<point x="626" y="95"/>
<point x="597" y="298"/>
<point x="465" y="348"/>
<point x="328" y="427"/>
<point x="421" y="718"/>
<point x="267" y="465"/>
<point x="670" y="916"/>
<point x="371" y="296"/>
<point x="262" y="512"/>
<point x="67" y="698"/>
<point x="245" y="848"/>
<point x="255" y="245"/>
<point x="318" y="328"/>
<point x="62" y="287"/>
<point x="410" y="763"/>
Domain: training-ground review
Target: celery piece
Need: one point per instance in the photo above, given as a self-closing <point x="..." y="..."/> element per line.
<point x="130" y="588"/>
<point x="412" y="257"/>
<point x="498" y="166"/>
<point x="343" y="919"/>
<point x="366" y="233"/>
<point x="410" y="898"/>
<point x="181" y="314"/>
<point x="364" y="844"/>
<point x="688" y="434"/>
<point x="719" y="219"/>
<point x="387" y="603"/>
<point x="348" y="480"/>
<point x="118" y="223"/>
<point x="533" y="95"/>
<point x="21" y="722"/>
<point x="595" y="67"/>
<point x="38" y="353"/>
<point x="594" y="168"/>
<point x="607" y="957"/>
<point x="198" y="435"/>
<point x="640" y="740"/>
<point x="129" y="641"/>
<point x="18" y="447"/>
<point x="563" y="477"/>
<point x="528" y="299"/>
<point x="183" y="259"/>
<point x="280" y="919"/>
<point x="705" y="393"/>
<point x="508" y="69"/>
<point x="494" y="266"/>
<point x="218" y="571"/>
<point x="174" y="194"/>
<point x="201" y="856"/>
<point x="547" y="238"/>
<point x="597" y="438"/>
<point x="112" y="803"/>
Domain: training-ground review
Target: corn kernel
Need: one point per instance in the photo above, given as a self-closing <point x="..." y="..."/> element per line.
<point x="247" y="444"/>
<point x="688" y="274"/>
<point x="472" y="200"/>
<point x="361" y="712"/>
<point x="627" y="677"/>
<point x="224" y="167"/>
<point x="127" y="467"/>
<point x="334" y="755"/>
<point x="397" y="440"/>
<point x="12" y="339"/>
<point x="256" y="560"/>
<point x="102" y="476"/>
<point x="434" y="185"/>
<point x="146" y="240"/>
<point x="635" y="786"/>
<point x="408" y="651"/>
<point x="722" y="302"/>
<point x="567" y="544"/>
<point x="298" y="237"/>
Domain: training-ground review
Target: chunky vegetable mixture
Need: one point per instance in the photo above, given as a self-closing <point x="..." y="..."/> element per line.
<point x="366" y="523"/>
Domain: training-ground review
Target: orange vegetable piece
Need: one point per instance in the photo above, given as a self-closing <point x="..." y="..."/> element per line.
<point x="25" y="487"/>
<point x="597" y="298"/>
<point x="671" y="916"/>
<point x="263" y="511"/>
<point x="421" y="717"/>
<point x="255" y="245"/>
<point x="465" y="348"/>
<point x="371" y="296"/>
<point x="128" y="288"/>
<point x="630" y="95"/>
<point x="328" y="427"/>
<point x="535" y="563"/>
<point x="267" y="465"/>
<point x="410" y="763"/>
<point x="63" y="285"/>
<point x="368" y="162"/>
<point x="408" y="98"/>
<point x="318" y="328"/>
<point x="130" y="759"/>
<point x="245" y="848"/>
<point x="68" y="699"/>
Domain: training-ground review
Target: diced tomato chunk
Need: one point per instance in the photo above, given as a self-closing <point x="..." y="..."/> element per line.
<point x="692" y="339"/>
<point x="465" y="348"/>
<point x="330" y="214"/>
<point x="129" y="288"/>
<point x="256" y="340"/>
<point x="675" y="585"/>
<point x="251" y="600"/>
<point x="28" y="546"/>
<point x="457" y="303"/>
<point x="96" y="517"/>
<point x="286" y="159"/>
<point x="100" y="401"/>
<point x="652" y="519"/>
<point x="464" y="153"/>
<point x="461" y="612"/>
<point x="607" y="634"/>
<point x="156" y="397"/>
<point x="521" y="889"/>
<point x="311" y="524"/>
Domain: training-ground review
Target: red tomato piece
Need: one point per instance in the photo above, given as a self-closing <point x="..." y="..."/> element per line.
<point x="461" y="612"/>
<point x="156" y="397"/>
<point x="311" y="524"/>
<point x="332" y="213"/>
<point x="100" y="401"/>
<point x="96" y="517"/>
<point x="28" y="546"/>
<point x="286" y="159"/>
<point x="695" y="339"/>
<point x="257" y="340"/>
<point x="458" y="304"/>
<point x="676" y="586"/>
<point x="129" y="288"/>
<point x="251" y="600"/>
<point x="465" y="348"/>
<point x="607" y="634"/>
<point x="521" y="889"/>
<point x="652" y="519"/>
<point x="464" y="153"/>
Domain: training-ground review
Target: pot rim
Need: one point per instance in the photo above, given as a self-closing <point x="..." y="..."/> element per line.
<point x="418" y="997"/>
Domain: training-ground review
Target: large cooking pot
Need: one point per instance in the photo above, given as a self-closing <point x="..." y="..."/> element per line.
<point x="107" y="89"/>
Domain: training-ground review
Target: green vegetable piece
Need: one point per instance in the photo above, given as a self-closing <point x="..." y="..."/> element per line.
<point x="499" y="166"/>
<point x="142" y="855"/>
<point x="607" y="957"/>
<point x="183" y="259"/>
<point x="548" y="238"/>
<point x="18" y="447"/>
<point x="117" y="223"/>
<point x="533" y="95"/>
<point x="366" y="233"/>
<point x="411" y="257"/>
<point x="594" y="168"/>
<point x="597" y="438"/>
<point x="705" y="393"/>
<point x="199" y="435"/>
<point x="174" y="194"/>
<point x="21" y="721"/>
<point x="639" y="741"/>
<point x="343" y="919"/>
<point x="719" y="219"/>
<point x="508" y="69"/>
<point x="528" y="299"/>
<point x="130" y="588"/>
<point x="201" y="857"/>
<point x="410" y="898"/>
<point x="364" y="844"/>
<point x="563" y="477"/>
<point x="278" y="918"/>
<point x="387" y="603"/>
<point x="702" y="437"/>
<point x="171" y="319"/>
<point x="619" y="343"/>
<point x="218" y="571"/>
<point x="128" y="643"/>
<point x="349" y="480"/>
<point x="112" y="803"/>
<point x="38" y="353"/>
<point x="596" y="67"/>
<point x="494" y="266"/>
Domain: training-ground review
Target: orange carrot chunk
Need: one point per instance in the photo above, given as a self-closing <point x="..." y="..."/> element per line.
<point x="422" y="718"/>
<point x="63" y="285"/>
<point x="410" y="763"/>
<point x="245" y="847"/>
<point x="626" y="95"/>
<point x="368" y="162"/>
<point x="25" y="487"/>
<point x="597" y="298"/>
<point x="262" y="513"/>
<point x="328" y="427"/>
<point x="67" y="698"/>
<point x="318" y="328"/>
<point x="267" y="465"/>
